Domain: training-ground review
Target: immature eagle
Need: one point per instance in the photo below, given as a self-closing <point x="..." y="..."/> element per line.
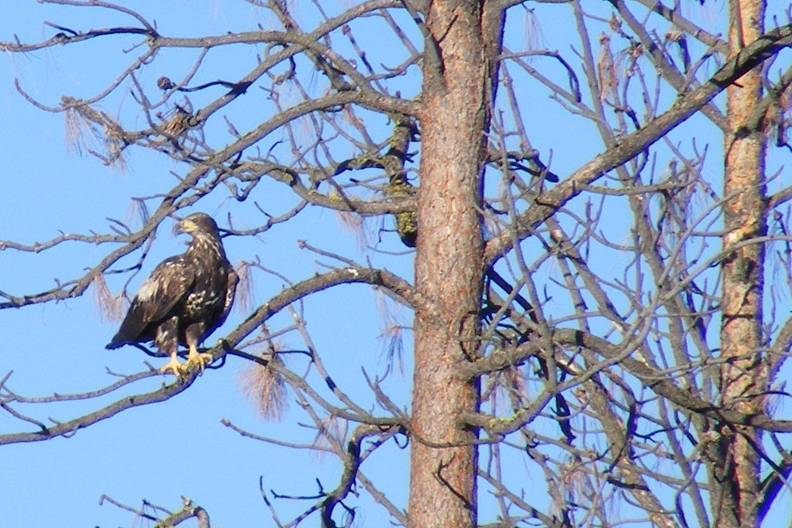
<point x="185" y="299"/>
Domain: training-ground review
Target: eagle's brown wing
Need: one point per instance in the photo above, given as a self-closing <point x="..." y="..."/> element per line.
<point x="233" y="280"/>
<point x="169" y="284"/>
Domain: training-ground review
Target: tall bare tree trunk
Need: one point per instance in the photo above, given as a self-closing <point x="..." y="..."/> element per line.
<point x="463" y="40"/>
<point x="744" y="375"/>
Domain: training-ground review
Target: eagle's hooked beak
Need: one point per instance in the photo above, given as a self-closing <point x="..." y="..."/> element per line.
<point x="184" y="226"/>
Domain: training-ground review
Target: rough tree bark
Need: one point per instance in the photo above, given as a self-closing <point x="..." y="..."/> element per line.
<point x="744" y="375"/>
<point x="463" y="39"/>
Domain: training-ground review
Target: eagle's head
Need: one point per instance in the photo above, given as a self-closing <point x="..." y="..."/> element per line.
<point x="198" y="224"/>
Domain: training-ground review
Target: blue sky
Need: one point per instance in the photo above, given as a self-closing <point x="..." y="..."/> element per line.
<point x="179" y="447"/>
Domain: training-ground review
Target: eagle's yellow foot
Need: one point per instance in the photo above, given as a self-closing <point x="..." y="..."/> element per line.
<point x="201" y="359"/>
<point x="176" y="368"/>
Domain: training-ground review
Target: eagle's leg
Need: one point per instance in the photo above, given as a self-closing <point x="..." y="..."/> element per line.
<point x="193" y="335"/>
<point x="167" y="341"/>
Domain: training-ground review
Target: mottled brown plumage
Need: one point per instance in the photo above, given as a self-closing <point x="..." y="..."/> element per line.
<point x="185" y="299"/>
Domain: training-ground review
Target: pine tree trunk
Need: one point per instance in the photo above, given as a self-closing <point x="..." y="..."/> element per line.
<point x="744" y="376"/>
<point x="463" y="40"/>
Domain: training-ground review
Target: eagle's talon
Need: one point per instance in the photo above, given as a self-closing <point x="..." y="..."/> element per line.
<point x="201" y="359"/>
<point x="175" y="368"/>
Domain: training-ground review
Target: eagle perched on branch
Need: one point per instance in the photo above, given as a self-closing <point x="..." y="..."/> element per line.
<point x="185" y="299"/>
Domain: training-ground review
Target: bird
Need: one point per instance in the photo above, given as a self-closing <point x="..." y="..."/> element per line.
<point x="184" y="299"/>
